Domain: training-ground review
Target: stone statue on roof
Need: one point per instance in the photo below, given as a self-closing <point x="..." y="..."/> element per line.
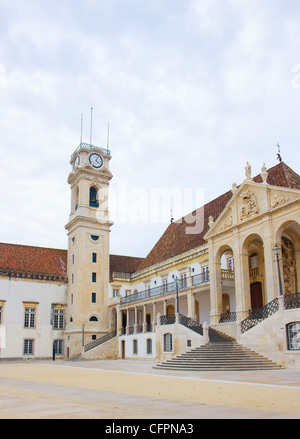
<point x="248" y="171"/>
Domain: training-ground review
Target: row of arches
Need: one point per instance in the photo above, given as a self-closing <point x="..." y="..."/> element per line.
<point x="255" y="268"/>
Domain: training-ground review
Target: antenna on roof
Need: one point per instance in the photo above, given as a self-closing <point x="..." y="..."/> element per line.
<point x="279" y="155"/>
<point x="107" y="147"/>
<point x="91" y="126"/>
<point x="81" y="129"/>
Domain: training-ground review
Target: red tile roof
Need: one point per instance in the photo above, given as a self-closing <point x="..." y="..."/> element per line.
<point x="175" y="240"/>
<point x="123" y="264"/>
<point x="33" y="262"/>
<point x="51" y="264"/>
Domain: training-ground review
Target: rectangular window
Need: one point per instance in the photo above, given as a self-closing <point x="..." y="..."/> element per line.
<point x="135" y="347"/>
<point x="115" y="292"/>
<point x="168" y="343"/>
<point x="165" y="285"/>
<point x="230" y="264"/>
<point x="183" y="280"/>
<point x="94" y="257"/>
<point x="29" y="318"/>
<point x="205" y="273"/>
<point x="93" y="297"/>
<point x="1" y="311"/>
<point x="58" y="346"/>
<point x="28" y="347"/>
<point x="94" y="277"/>
<point x="58" y="318"/>
<point x="293" y="335"/>
<point x="127" y="293"/>
<point x="149" y="346"/>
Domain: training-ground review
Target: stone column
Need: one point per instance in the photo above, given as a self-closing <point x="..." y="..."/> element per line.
<point x="215" y="288"/>
<point x="242" y="284"/>
<point x="127" y="322"/>
<point x="153" y="316"/>
<point x="191" y="305"/>
<point x="135" y="320"/>
<point x="119" y="321"/>
<point x="144" y="319"/>
<point x="165" y="307"/>
<point x="270" y="274"/>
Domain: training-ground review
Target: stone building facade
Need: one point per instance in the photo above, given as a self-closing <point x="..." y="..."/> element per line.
<point x="225" y="275"/>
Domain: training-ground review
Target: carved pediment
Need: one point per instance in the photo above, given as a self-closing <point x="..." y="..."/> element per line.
<point x="249" y="204"/>
<point x="278" y="200"/>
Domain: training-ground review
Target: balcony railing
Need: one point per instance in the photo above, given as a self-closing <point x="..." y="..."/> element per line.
<point x="84" y="145"/>
<point x="198" y="280"/>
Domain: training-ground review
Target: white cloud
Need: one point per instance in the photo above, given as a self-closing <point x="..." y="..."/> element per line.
<point x="191" y="91"/>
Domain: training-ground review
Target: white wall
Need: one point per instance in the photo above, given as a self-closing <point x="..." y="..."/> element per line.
<point x="142" y="346"/>
<point x="14" y="293"/>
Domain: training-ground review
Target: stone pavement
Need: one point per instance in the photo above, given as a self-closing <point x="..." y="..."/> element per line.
<point x="123" y="389"/>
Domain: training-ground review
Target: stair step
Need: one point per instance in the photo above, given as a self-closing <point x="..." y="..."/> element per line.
<point x="221" y="353"/>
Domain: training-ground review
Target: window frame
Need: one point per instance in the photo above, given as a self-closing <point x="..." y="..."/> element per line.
<point x="135" y="348"/>
<point x="28" y="346"/>
<point x="58" y="322"/>
<point x="168" y="342"/>
<point x="149" y="346"/>
<point x="29" y="317"/>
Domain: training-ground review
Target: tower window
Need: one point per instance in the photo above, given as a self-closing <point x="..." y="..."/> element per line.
<point x="93" y="319"/>
<point x="93" y="197"/>
<point x="94" y="277"/>
<point x="93" y="297"/>
<point x="94" y="257"/>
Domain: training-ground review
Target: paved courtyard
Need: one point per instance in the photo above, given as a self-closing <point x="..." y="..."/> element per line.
<point x="134" y="390"/>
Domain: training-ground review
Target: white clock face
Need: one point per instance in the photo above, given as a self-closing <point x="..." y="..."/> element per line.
<point x="96" y="160"/>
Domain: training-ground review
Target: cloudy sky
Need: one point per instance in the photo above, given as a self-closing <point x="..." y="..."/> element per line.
<point x="191" y="89"/>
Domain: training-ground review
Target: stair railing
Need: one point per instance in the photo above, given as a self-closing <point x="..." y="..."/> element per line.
<point x="191" y="324"/>
<point x="93" y="344"/>
<point x="258" y="315"/>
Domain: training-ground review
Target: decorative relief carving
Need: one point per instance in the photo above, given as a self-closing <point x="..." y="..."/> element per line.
<point x="249" y="204"/>
<point x="289" y="266"/>
<point x="228" y="223"/>
<point x="278" y="200"/>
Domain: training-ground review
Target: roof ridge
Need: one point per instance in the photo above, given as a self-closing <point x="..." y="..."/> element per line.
<point x="34" y="246"/>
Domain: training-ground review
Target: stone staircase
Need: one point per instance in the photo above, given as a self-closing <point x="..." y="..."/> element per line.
<point x="93" y="344"/>
<point x="221" y="353"/>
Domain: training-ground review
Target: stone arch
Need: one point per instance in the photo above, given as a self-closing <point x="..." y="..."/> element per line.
<point x="253" y="247"/>
<point x="223" y="283"/>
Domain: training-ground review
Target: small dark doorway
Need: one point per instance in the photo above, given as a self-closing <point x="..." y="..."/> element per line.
<point x="124" y="321"/>
<point x="123" y="349"/>
<point x="256" y="295"/>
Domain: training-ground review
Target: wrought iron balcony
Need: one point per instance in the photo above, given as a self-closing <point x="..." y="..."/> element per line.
<point x="198" y="280"/>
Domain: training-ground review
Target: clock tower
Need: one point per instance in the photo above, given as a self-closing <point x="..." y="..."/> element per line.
<point x="88" y="248"/>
